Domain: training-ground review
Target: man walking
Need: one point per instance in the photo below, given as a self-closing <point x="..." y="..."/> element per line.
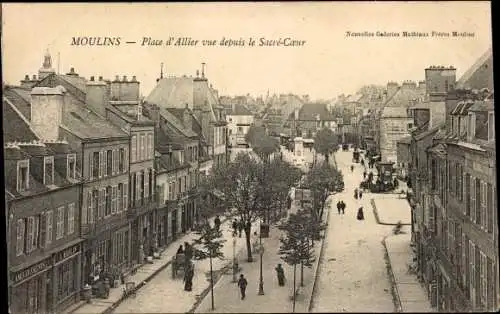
<point x="217" y="222"/>
<point x="242" y="284"/>
<point x="343" y="207"/>
<point x="339" y="206"/>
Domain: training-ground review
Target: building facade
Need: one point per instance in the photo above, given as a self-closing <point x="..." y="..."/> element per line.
<point x="239" y="120"/>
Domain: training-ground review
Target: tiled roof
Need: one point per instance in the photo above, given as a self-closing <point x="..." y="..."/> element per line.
<point x="394" y="112"/>
<point x="480" y="74"/>
<point x="240" y="110"/>
<point x="172" y="92"/>
<point x="21" y="98"/>
<point x="15" y="128"/>
<point x="176" y="123"/>
<point x="86" y="124"/>
<point x="482" y="105"/>
<point x="77" y="81"/>
<point x="462" y="108"/>
<point x="428" y="132"/>
<point x="133" y="120"/>
<point x="309" y="112"/>
<point x="403" y="97"/>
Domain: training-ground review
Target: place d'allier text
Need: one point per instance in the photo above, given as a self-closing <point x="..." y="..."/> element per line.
<point x="189" y="41"/>
<point x="434" y="34"/>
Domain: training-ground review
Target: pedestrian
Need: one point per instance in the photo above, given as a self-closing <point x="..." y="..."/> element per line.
<point x="339" y="206"/>
<point x="188" y="251"/>
<point x="360" y="215"/>
<point x="188" y="277"/>
<point x="360" y="194"/>
<point x="364" y="174"/>
<point x="352" y="168"/>
<point x="356" y="194"/>
<point x="217" y="222"/>
<point x="240" y="227"/>
<point x="242" y="284"/>
<point x="280" y="272"/>
<point x="255" y="244"/>
<point x="235" y="227"/>
<point x="343" y="207"/>
<point x="180" y="250"/>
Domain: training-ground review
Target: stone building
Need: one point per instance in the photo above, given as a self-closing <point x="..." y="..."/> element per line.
<point x="43" y="197"/>
<point x="309" y="119"/>
<point x="239" y="120"/>
<point x="394" y="124"/>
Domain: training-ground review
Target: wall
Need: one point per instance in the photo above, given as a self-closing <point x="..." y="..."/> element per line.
<point x="124" y="90"/>
<point x="391" y="131"/>
<point x="440" y="80"/>
<point x="47" y="111"/>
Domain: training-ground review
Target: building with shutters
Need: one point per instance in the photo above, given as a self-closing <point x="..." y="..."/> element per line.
<point x="43" y="197"/>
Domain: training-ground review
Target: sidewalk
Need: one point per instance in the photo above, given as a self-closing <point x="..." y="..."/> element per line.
<point x="144" y="273"/>
<point x="410" y="294"/>
<point x="389" y="210"/>
<point x="276" y="299"/>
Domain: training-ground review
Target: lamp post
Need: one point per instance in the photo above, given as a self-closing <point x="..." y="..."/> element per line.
<point x="261" y="251"/>
<point x="234" y="258"/>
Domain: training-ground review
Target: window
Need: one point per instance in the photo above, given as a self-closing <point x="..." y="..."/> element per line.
<point x="468" y="195"/>
<point x="121" y="161"/>
<point x="49" y="221"/>
<point x="48" y="170"/>
<point x="491" y="126"/>
<point x="114" y="201"/>
<point x="125" y="196"/>
<point x="119" y="194"/>
<point x="133" y="149"/>
<point x="146" y="184"/>
<point x="60" y="223"/>
<point x="141" y="186"/>
<point x="20" y="240"/>
<point x="483" y="282"/>
<point x="109" y="163"/>
<point x="66" y="280"/>
<point x="460" y="187"/>
<point x="102" y="164"/>
<point x="114" y="166"/>
<point x="481" y="125"/>
<point x="171" y="188"/>
<point x="101" y="203"/>
<point x="490" y="209"/>
<point x="478" y="201"/>
<point x="472" y="269"/>
<point x="151" y="182"/>
<point x="94" y="173"/>
<point x="150" y="145"/>
<point x="137" y="186"/>
<point x="95" y="206"/>
<point x="71" y="167"/>
<point x="142" y="153"/>
<point x="434" y="174"/>
<point x="108" y="198"/>
<point x="22" y="175"/>
<point x="451" y="245"/>
<point x="71" y="218"/>
<point x="179" y="185"/>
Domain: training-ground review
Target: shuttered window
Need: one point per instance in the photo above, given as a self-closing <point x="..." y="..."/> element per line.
<point x="483" y="282"/>
<point x="150" y="146"/>
<point x="146" y="184"/>
<point x="468" y="195"/>
<point x="125" y="196"/>
<point x="60" y="223"/>
<point x="71" y="218"/>
<point x="490" y="273"/>
<point x="119" y="197"/>
<point x="49" y="229"/>
<point x="20" y="240"/>
<point x="113" y="199"/>
<point x="473" y="199"/>
<point x="472" y="271"/>
<point x="488" y="213"/>
<point x="102" y="203"/>
<point x="478" y="201"/>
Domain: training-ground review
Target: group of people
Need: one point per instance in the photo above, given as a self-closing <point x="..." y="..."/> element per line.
<point x="188" y="252"/>
<point x="238" y="227"/>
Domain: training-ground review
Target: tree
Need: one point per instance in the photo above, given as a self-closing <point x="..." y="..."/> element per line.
<point x="322" y="178"/>
<point x="262" y="144"/>
<point x="326" y="142"/>
<point x="294" y="247"/>
<point x="209" y="245"/>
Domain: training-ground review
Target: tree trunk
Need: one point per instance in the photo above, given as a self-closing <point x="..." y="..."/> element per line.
<point x="302" y="274"/>
<point x="249" y="244"/>
<point x="294" y="286"/>
<point x="327" y="158"/>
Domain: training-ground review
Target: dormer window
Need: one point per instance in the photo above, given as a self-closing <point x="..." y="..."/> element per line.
<point x="491" y="126"/>
<point x="71" y="167"/>
<point x="23" y="168"/>
<point x="48" y="170"/>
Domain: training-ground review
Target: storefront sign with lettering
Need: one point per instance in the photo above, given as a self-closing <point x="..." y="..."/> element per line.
<point x="30" y="271"/>
<point x="67" y="253"/>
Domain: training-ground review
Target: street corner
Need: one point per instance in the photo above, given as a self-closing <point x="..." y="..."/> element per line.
<point x="390" y="211"/>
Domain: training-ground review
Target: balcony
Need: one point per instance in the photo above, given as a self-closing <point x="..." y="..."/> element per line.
<point x="101" y="225"/>
<point x="142" y="206"/>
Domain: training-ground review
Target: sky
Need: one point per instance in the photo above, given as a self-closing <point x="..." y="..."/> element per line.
<point x="328" y="64"/>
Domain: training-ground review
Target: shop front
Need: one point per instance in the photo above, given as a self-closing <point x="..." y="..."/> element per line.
<point x="30" y="286"/>
<point x="66" y="276"/>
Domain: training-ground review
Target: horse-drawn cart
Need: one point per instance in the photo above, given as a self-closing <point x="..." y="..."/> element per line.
<point x="178" y="262"/>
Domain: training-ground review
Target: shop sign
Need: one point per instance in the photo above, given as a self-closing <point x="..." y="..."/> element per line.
<point x="67" y="253"/>
<point x="30" y="271"/>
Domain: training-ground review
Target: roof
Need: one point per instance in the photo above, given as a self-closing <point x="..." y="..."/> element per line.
<point x="405" y="97"/>
<point x="176" y="123"/>
<point x="142" y="120"/>
<point x="394" y="112"/>
<point x="482" y="105"/>
<point x="15" y="127"/>
<point x="311" y="111"/>
<point x="425" y="133"/>
<point x="86" y="124"/>
<point x="21" y="98"/>
<point x="354" y="98"/>
<point x="240" y="110"/>
<point x="77" y="81"/>
<point x="462" y="108"/>
<point x="480" y="74"/>
<point x="439" y="149"/>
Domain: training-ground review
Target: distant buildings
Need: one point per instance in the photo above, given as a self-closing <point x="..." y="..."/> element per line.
<point x="309" y="119"/>
<point x="394" y="124"/>
<point x="239" y="120"/>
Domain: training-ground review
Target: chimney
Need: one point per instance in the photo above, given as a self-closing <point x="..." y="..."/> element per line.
<point x="203" y="70"/>
<point x="100" y="78"/>
<point x="27" y="82"/>
<point x="97" y="96"/>
<point x="72" y="72"/>
<point x="134" y="79"/>
<point x="124" y="78"/>
<point x="117" y="78"/>
<point x="153" y="113"/>
<point x="34" y="77"/>
<point x="26" y="77"/>
<point x="46" y="111"/>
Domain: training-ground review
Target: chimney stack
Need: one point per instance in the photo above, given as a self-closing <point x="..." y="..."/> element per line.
<point x="124" y="78"/>
<point x="117" y="78"/>
<point x="100" y="78"/>
<point x="34" y="77"/>
<point x="203" y="70"/>
<point x="134" y="79"/>
<point x="92" y="78"/>
<point x="197" y="73"/>
<point x="27" y="77"/>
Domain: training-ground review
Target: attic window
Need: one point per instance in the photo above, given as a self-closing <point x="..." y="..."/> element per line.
<point x="48" y="170"/>
<point x="71" y="167"/>
<point x="23" y="168"/>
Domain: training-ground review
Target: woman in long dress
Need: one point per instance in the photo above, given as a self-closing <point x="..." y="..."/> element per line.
<point x="360" y="215"/>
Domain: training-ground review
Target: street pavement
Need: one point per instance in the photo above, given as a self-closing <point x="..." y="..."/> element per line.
<point x="352" y="275"/>
<point x="162" y="294"/>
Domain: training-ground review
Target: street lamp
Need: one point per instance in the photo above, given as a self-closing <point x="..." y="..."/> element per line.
<point x="261" y="252"/>
<point x="234" y="258"/>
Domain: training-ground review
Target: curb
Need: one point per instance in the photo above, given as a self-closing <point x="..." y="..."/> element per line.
<point x="394" y="287"/>
<point x="377" y="218"/>
<point x="320" y="257"/>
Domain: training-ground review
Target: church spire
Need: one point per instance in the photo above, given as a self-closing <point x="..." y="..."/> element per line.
<point x="47" y="60"/>
<point x="46" y="68"/>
